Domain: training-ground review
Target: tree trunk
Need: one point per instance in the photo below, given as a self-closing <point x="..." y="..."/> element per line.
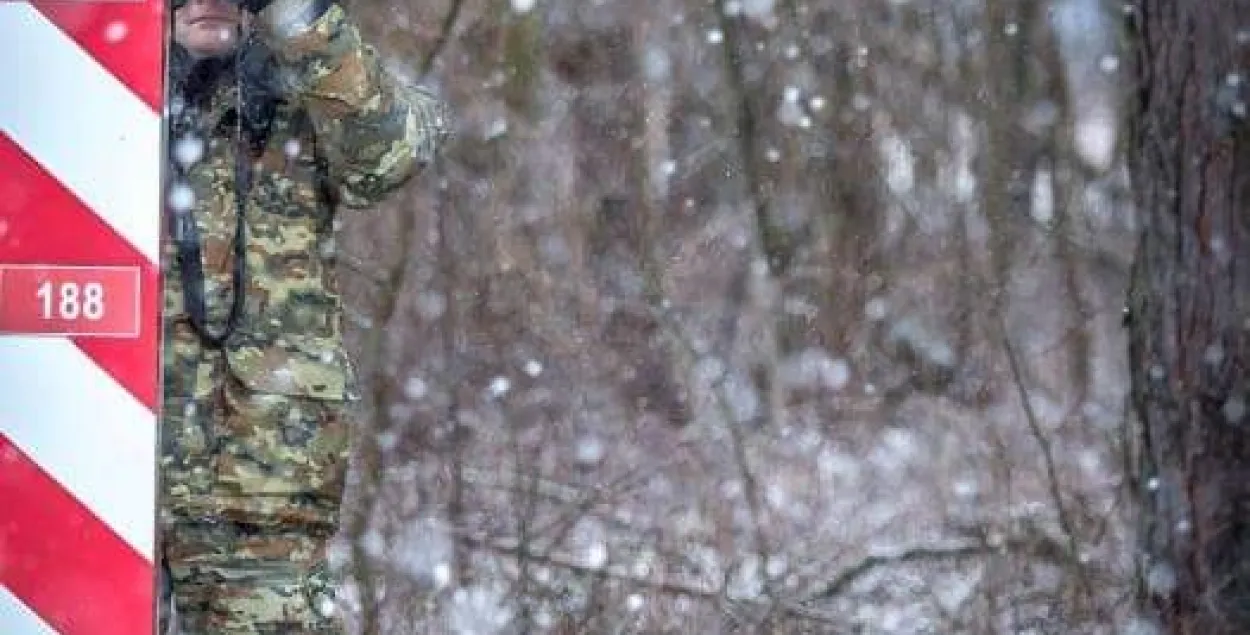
<point x="1188" y="320"/>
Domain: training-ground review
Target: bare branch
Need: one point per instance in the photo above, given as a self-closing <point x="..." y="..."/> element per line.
<point x="1048" y="458"/>
<point x="444" y="36"/>
<point x="844" y="580"/>
<point x="620" y="574"/>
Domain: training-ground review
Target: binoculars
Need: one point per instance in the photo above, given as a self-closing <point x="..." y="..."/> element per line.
<point x="253" y="6"/>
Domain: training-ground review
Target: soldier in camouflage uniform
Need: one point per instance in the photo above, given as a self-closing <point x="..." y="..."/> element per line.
<point x="280" y="117"/>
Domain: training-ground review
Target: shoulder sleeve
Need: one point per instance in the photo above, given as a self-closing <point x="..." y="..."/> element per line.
<point x="374" y="131"/>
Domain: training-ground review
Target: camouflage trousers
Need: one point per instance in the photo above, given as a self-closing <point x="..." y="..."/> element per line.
<point x="250" y="490"/>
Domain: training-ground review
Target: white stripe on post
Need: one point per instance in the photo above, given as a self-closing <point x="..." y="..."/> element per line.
<point x="55" y="97"/>
<point x="83" y="428"/>
<point x="18" y="618"/>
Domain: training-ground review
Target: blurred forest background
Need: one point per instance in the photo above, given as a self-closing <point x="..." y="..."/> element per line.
<point x="749" y="316"/>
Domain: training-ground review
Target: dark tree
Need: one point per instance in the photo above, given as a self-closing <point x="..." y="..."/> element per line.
<point x="1188" y="319"/>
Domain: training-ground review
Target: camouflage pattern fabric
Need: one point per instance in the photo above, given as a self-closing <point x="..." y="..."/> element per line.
<point x="234" y="580"/>
<point x="348" y="136"/>
<point x="255" y="437"/>
<point x="252" y="483"/>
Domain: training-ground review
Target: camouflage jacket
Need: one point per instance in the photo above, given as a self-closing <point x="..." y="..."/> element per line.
<point x="344" y="135"/>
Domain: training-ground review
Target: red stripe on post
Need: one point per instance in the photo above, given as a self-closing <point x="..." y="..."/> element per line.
<point x="127" y="38"/>
<point x="65" y="564"/>
<point x="64" y="231"/>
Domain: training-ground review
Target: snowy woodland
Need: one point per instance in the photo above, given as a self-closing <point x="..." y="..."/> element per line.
<point x="749" y="316"/>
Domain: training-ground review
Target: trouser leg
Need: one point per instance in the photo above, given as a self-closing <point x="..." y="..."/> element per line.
<point x="233" y="579"/>
<point x="192" y="401"/>
<point x="249" y="554"/>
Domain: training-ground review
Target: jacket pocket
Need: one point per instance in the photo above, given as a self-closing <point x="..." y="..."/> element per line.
<point x="283" y="445"/>
<point x="296" y="367"/>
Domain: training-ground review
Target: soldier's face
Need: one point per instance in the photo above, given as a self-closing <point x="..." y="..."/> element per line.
<point x="207" y="28"/>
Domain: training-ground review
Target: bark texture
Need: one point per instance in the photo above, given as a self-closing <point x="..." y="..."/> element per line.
<point x="1187" y="316"/>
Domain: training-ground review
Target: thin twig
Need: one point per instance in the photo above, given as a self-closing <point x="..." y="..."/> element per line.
<point x="750" y="485"/>
<point x="1031" y="542"/>
<point x="1048" y="455"/>
<point x="622" y="574"/>
<point x="450" y="326"/>
<point x="775" y="240"/>
<point x="444" y="36"/>
<point x="840" y="583"/>
<point x="580" y="509"/>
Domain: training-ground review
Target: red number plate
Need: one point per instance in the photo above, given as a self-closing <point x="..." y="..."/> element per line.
<point x="69" y="301"/>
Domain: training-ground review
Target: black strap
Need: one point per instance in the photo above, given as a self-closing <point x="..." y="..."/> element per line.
<point x="187" y="237"/>
<point x="190" y="262"/>
<point x="253" y="113"/>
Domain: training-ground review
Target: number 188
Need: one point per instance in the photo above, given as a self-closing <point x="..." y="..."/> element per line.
<point x="71" y="300"/>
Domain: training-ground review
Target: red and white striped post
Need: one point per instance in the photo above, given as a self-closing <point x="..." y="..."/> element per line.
<point x="81" y="96"/>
